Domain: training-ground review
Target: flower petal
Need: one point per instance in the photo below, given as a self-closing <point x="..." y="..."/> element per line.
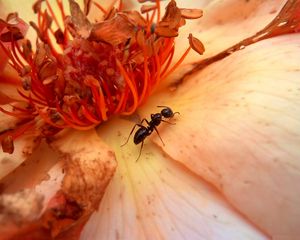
<point x="70" y="189"/>
<point x="228" y="22"/>
<point x="35" y="182"/>
<point x="156" y="198"/>
<point x="89" y="165"/>
<point x="24" y="147"/>
<point x="239" y="129"/>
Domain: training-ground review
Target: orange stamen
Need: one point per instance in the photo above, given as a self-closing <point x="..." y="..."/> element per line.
<point x="52" y="14"/>
<point x="177" y="63"/>
<point x="131" y="87"/>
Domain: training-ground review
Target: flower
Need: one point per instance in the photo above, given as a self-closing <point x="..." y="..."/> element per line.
<point x="237" y="131"/>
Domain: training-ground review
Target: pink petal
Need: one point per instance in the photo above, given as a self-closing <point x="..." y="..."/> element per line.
<point x="239" y="129"/>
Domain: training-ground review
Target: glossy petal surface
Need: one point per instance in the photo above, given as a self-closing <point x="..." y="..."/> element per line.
<point x="239" y="129"/>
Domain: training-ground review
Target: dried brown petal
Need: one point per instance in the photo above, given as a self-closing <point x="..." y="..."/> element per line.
<point x="80" y="21"/>
<point x="89" y="166"/>
<point x="172" y="16"/>
<point x="37" y="6"/>
<point x="115" y="31"/>
<point x="191" y="13"/>
<point x="166" y="32"/>
<point x="196" y="44"/>
<point x="8" y="144"/>
<point x="148" y="8"/>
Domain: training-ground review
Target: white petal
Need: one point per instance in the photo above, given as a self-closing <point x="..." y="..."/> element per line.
<point x="155" y="198"/>
<point x="239" y="128"/>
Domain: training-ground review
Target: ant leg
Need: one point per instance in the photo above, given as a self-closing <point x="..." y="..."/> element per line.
<point x="144" y="119"/>
<point x="159" y="136"/>
<point x="131" y="133"/>
<point x="140" y="125"/>
<point x="140" y="151"/>
<point x="168" y="122"/>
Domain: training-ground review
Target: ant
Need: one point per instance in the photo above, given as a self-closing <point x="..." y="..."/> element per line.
<point x="145" y="131"/>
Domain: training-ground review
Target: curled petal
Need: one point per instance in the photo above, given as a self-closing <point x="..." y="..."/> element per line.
<point x="226" y="25"/>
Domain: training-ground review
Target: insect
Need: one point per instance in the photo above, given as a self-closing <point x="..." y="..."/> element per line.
<point x="145" y="131"/>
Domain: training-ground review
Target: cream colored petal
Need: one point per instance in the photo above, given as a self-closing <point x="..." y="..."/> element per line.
<point x="225" y="23"/>
<point x="239" y="129"/>
<point x="155" y="198"/>
<point x="24" y="147"/>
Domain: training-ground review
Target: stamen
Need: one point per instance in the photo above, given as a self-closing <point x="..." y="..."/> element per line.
<point x="177" y="63"/>
<point x="82" y="73"/>
<point x="131" y="87"/>
<point x="102" y="9"/>
<point x="158" y="10"/>
<point x="52" y="14"/>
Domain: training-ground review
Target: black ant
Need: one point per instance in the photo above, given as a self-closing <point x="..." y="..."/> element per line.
<point x="145" y="131"/>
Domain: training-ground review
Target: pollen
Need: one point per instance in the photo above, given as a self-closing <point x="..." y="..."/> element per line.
<point x="82" y="73"/>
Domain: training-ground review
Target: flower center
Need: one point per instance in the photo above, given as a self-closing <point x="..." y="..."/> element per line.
<point x="83" y="73"/>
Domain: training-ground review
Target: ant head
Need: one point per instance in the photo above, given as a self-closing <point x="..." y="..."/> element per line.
<point x="167" y="112"/>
